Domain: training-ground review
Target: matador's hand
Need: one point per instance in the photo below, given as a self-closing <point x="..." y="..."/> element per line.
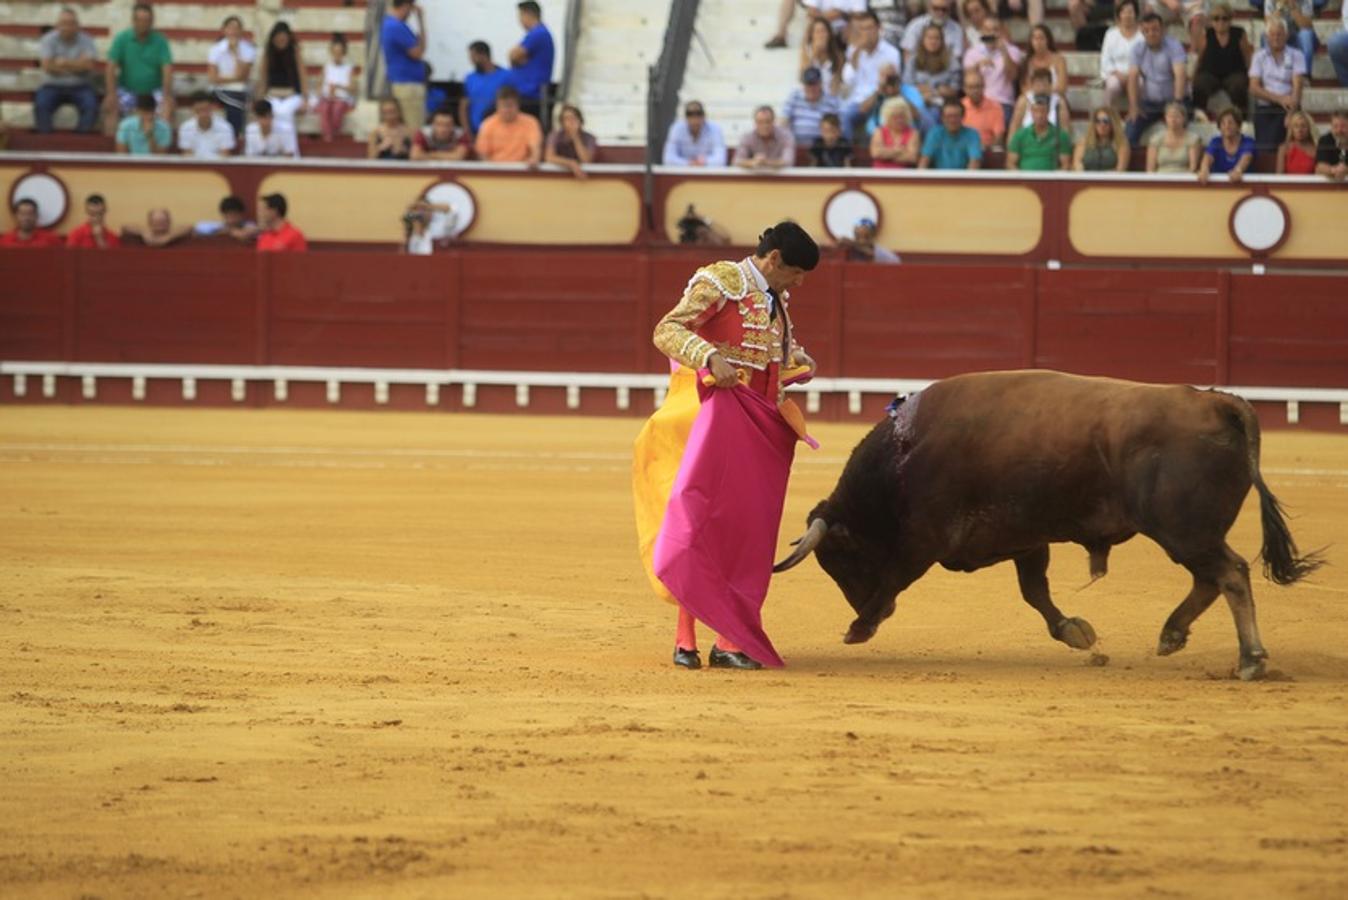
<point x="722" y="371"/>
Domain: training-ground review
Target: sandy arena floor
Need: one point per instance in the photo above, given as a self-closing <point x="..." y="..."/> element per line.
<point x="245" y="653"/>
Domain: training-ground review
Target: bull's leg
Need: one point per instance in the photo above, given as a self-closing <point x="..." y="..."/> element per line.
<point x="1032" y="572"/>
<point x="1175" y="634"/>
<point x="1234" y="582"/>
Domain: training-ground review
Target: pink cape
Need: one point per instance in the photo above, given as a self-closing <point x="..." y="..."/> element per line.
<point x="716" y="544"/>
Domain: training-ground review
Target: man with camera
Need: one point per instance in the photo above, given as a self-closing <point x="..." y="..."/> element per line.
<point x="998" y="61"/>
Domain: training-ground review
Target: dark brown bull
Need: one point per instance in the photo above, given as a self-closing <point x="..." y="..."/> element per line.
<point x="988" y="467"/>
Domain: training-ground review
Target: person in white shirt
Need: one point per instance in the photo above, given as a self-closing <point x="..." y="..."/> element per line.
<point x="267" y="137"/>
<point x="205" y="135"/>
<point x="835" y="12"/>
<point x="1116" y="53"/>
<point x="869" y="60"/>
<point x="228" y="66"/>
<point x="339" y="85"/>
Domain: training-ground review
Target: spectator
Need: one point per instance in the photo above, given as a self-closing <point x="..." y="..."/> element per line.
<point x="571" y="146"/>
<point x="700" y="230"/>
<point x="139" y="63"/>
<point x="392" y="137"/>
<point x="1044" y="55"/>
<point x="973" y="14"/>
<point x="265" y="136"/>
<point x="158" y="232"/>
<point x="1331" y="153"/>
<point x="67" y="57"/>
<point x="404" y="51"/>
<point x="1155" y="77"/>
<point x="417" y="240"/>
<point x="1191" y="13"/>
<point x="1116" y="53"/>
<point x="869" y="63"/>
<point x="338" y="94"/>
<point x="694" y="141"/>
<point x="932" y="76"/>
<point x="531" y="60"/>
<point x="1032" y="10"/>
<point x="1296" y="156"/>
<point x="998" y="61"/>
<point x="1229" y="152"/>
<point x="786" y="10"/>
<point x="807" y="105"/>
<point x="953" y="145"/>
<point x="981" y="114"/>
<point x="831" y="149"/>
<point x="277" y="235"/>
<point x="1040" y="146"/>
<point x="1104" y="147"/>
<point x="510" y="135"/>
<point x="442" y="140"/>
<point x="1299" y="18"/>
<point x="1082" y="13"/>
<point x="1223" y="60"/>
<point x="861" y="246"/>
<point x="436" y="95"/>
<point x="767" y="145"/>
<point x="25" y="233"/>
<point x="205" y="135"/>
<point x="837" y="13"/>
<point x="1041" y="85"/>
<point x="233" y="222"/>
<point x="823" y="51"/>
<point x="896" y="144"/>
<point x="1174" y="150"/>
<point x="143" y="133"/>
<point x="938" y="14"/>
<point x="229" y="63"/>
<point x="480" y="87"/>
<point x="891" y="88"/>
<point x="93" y="233"/>
<point x="1276" y="80"/>
<point x="282" y="75"/>
<point x="1338" y="49"/>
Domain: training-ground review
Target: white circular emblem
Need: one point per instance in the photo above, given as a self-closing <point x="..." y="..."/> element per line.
<point x="845" y="209"/>
<point x="47" y="192"/>
<point x="463" y="208"/>
<point x="1259" y="223"/>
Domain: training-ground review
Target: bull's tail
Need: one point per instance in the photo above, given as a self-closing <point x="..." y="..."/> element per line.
<point x="1283" y="563"/>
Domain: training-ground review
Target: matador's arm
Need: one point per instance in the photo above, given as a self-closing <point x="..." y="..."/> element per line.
<point x="676" y="334"/>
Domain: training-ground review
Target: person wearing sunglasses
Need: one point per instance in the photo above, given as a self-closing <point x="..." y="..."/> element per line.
<point x="1223" y="61"/>
<point x="1103" y="148"/>
<point x="694" y="141"/>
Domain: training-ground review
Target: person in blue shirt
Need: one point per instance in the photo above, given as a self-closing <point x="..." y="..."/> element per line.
<point x="952" y="146"/>
<point x="1229" y="153"/>
<point x="695" y="141"/>
<point x="531" y="60"/>
<point x="480" y="87"/>
<point x="403" y="50"/>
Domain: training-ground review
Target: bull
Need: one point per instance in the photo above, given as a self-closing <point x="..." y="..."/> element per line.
<point x="982" y="468"/>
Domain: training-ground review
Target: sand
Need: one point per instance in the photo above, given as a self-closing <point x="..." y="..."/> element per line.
<point x="252" y="653"/>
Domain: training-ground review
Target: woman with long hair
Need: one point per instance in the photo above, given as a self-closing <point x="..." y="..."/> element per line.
<point x="282" y="76"/>
<point x="228" y="65"/>
<point x="1175" y="150"/>
<point x="972" y="15"/>
<point x="823" y="50"/>
<point x="1296" y="156"/>
<point x="932" y="76"/>
<point x="391" y="138"/>
<point x="1116" y="53"/>
<point x="1104" y="147"/>
<point x="1044" y="55"/>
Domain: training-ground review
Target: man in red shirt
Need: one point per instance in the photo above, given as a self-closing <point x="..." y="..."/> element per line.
<point x="93" y="233"/>
<point x="278" y="235"/>
<point x="26" y="233"/>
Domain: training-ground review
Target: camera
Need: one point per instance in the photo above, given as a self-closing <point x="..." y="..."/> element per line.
<point x="690" y="226"/>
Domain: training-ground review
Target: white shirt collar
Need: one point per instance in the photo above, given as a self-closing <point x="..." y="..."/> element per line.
<point x="758" y="276"/>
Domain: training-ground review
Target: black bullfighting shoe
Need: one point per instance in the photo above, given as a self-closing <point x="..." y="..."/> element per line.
<point x="724" y="659"/>
<point x="687" y="658"/>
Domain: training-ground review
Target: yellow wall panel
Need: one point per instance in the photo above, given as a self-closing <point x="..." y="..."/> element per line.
<point x="744" y="208"/>
<point x="8" y="175"/>
<point x="1143" y="223"/>
<point x="1318" y="220"/>
<point x="132" y="191"/>
<point x="537" y="210"/>
<point x="945" y="218"/>
<point x="347" y="206"/>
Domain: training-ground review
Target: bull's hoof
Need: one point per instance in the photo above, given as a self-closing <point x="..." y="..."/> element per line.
<point x="1171" y="642"/>
<point x="1076" y="633"/>
<point x="859" y="633"/>
<point x="1252" y="669"/>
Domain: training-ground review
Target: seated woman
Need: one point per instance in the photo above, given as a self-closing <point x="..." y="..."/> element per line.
<point x="1296" y="156"/>
<point x="1040" y="84"/>
<point x="931" y="76"/>
<point x="896" y="144"/>
<point x="822" y="50"/>
<point x="282" y="75"/>
<point x="1223" y="61"/>
<point x="1116" y="53"/>
<point x="1175" y="150"/>
<point x="570" y="145"/>
<point x="1229" y="153"/>
<point x="1104" y="148"/>
<point x="1044" y="55"/>
<point x="391" y="138"/>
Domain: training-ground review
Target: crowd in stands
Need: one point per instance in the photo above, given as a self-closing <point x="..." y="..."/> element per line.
<point x="948" y="89"/>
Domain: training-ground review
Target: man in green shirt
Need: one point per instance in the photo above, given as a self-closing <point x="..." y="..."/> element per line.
<point x="1040" y="146"/>
<point x="139" y="62"/>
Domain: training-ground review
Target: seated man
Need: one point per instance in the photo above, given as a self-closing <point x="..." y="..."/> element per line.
<point x="1331" y="153"/>
<point x="1156" y="77"/>
<point x="982" y="114"/>
<point x="1040" y="146"/>
<point x="1277" y="78"/>
<point x="205" y="136"/>
<point x="233" y="223"/>
<point x="264" y="136"/>
<point x="509" y="135"/>
<point x="442" y="139"/>
<point x="26" y="234"/>
<point x="861" y="246"/>
<point x="694" y="141"/>
<point x="767" y="145"/>
<point x="143" y="133"/>
<point x="807" y="105"/>
<point x="953" y="145"/>
<point x="278" y="235"/>
<point x="67" y="57"/>
<point x="1298" y="16"/>
<point x="93" y="233"/>
<point x="158" y="232"/>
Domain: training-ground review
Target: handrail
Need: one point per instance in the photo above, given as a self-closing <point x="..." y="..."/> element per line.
<point x="666" y="76"/>
<point x="570" y="41"/>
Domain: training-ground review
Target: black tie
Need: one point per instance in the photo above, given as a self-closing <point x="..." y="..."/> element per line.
<point x="772" y="305"/>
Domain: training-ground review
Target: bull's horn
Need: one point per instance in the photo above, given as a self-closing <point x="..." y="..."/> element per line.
<point x="805" y="545"/>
